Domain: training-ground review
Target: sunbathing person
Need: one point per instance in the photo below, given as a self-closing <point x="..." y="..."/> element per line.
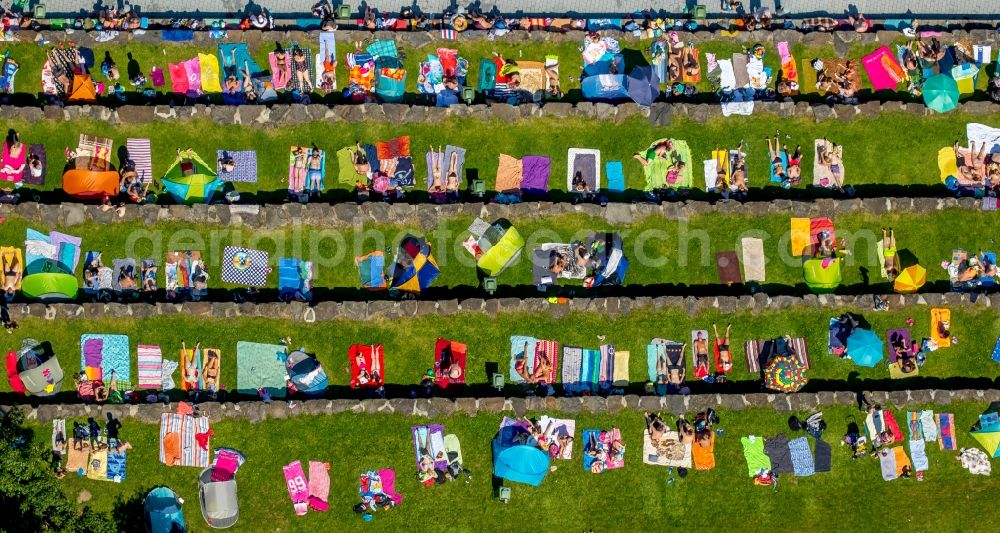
<point x="674" y="172"/>
<point x="301" y="69"/>
<point x="521" y="365"/>
<point x="579" y="183"/>
<point x="723" y="341"/>
<point x="675" y="372"/>
<point x="739" y="178"/>
<point x="700" y="345"/>
<point x="299" y="164"/>
<point x="655" y="426"/>
<point x="126" y="278"/>
<point x="480" y="21"/>
<point x="283" y="74"/>
<point x="449" y="366"/>
<point x="685" y="429"/>
<point x="889" y="259"/>
<point x="436" y="159"/>
<point x="831" y="155"/>
<point x="190" y="364"/>
<point x="360" y="159"/>
<point x="12" y="272"/>
<point x="689" y="59"/>
<point x="314" y="174"/>
<point x="210" y="369"/>
<point x="552" y="76"/>
<point x="931" y="52"/>
<point x="721" y="181"/>
<point x="774" y="152"/>
<point x="543" y="367"/>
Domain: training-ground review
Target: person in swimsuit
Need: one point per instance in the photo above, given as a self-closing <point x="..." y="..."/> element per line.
<point x="436" y="159"/>
<point x="298" y="170"/>
<point x="889" y="259"/>
<point x="11" y="274"/>
<point x="543" y="367"/>
<point x="774" y="152"/>
<point x="190" y="366"/>
<point x="301" y="70"/>
<point x="739" y="179"/>
<point x="126" y="278"/>
<point x="701" y="351"/>
<point x="282" y="75"/>
<point x="725" y="358"/>
<point x="210" y="368"/>
<point x="314" y="174"/>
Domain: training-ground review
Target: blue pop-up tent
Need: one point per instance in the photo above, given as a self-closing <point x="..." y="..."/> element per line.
<point x="518" y="462"/>
<point x="162" y="511"/>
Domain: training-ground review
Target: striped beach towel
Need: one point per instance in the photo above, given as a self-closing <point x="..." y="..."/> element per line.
<point x="752" y="349"/>
<point x="187" y="451"/>
<point x="150" y="367"/>
<point x="448" y="34"/>
<point x="591" y="370"/>
<point x="606" y="368"/>
<point x="140" y="153"/>
<point x="551" y="350"/>
<point x="572" y="360"/>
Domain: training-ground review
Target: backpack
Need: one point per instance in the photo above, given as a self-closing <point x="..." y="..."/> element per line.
<point x="794" y="424"/>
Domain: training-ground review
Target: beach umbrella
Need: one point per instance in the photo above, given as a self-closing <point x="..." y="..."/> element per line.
<point x="643" y="85"/>
<point x="941" y="93"/>
<point x="785" y="374"/>
<point x="910" y="279"/>
<point x="864" y="347"/>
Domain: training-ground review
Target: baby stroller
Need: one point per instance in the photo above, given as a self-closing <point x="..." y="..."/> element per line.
<point x="453" y="451"/>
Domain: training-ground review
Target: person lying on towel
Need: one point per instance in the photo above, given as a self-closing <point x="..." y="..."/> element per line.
<point x="366" y="375"/>
<point x="723" y="341"/>
<point x="449" y="367"/>
<point x="543" y="367"/>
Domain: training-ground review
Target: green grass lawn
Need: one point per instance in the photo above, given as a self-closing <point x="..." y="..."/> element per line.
<point x="662" y="253"/>
<point x="872" y="156"/>
<point x="409" y="343"/>
<point x="31" y="57"/>
<point x="570" y="499"/>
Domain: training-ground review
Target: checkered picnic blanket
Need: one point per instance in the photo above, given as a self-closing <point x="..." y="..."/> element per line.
<point x="245" y="163"/>
<point x="244" y="266"/>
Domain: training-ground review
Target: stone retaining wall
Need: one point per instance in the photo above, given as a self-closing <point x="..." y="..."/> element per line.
<point x="659" y="114"/>
<point x="256" y="411"/>
<point x="430" y="216"/>
<point x="394" y="310"/>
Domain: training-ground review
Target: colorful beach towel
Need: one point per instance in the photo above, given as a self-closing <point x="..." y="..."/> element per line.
<point x="571" y="367"/>
<point x="602" y="444"/>
<point x="522" y="354"/>
<point x="260" y="366"/>
<point x="115" y="462"/>
<point x="319" y="486"/>
<point x="244" y="166"/>
<point x="179" y="440"/>
<point x="102" y="354"/>
<point x="946" y="435"/>
<point x="802" y="459"/>
<point x="606" y="367"/>
<point x="280" y="76"/>
<point x="823" y="175"/>
<point x="557" y="428"/>
<point x="150" y="364"/>
<point x="883" y="69"/>
<point x="298" y="489"/>
<point x="938" y="317"/>
<point x="752" y="349"/>
<point x="429" y="441"/>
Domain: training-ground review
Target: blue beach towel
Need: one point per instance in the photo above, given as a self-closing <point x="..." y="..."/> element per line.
<point x="784" y="164"/>
<point x="114" y="355"/>
<point x="116" y="462"/>
<point x="520" y="344"/>
<point x="615" y="176"/>
<point x="996" y="351"/>
<point x="918" y="455"/>
<point x="802" y="459"/>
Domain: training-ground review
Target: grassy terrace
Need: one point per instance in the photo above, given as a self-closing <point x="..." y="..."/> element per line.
<point x="567" y="500"/>
<point x="409" y="345"/>
<point x="879" y="158"/>
<point x="31" y="57"/>
<point x="665" y="256"/>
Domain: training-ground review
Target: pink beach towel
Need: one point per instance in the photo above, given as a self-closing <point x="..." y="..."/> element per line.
<point x="319" y="485"/>
<point x="178" y="78"/>
<point x="280" y="76"/>
<point x="388" y="477"/>
<point x="295" y="480"/>
<point x="879" y="66"/>
<point x="193" y="69"/>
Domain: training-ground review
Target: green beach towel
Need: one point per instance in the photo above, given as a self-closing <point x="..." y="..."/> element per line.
<point x="346" y="174"/>
<point x="684" y="152"/>
<point x="753" y="451"/>
<point x="260" y="366"/>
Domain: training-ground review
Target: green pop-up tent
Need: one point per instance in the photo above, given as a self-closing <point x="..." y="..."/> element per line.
<point x="822" y="274"/>
<point x="190" y="180"/>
